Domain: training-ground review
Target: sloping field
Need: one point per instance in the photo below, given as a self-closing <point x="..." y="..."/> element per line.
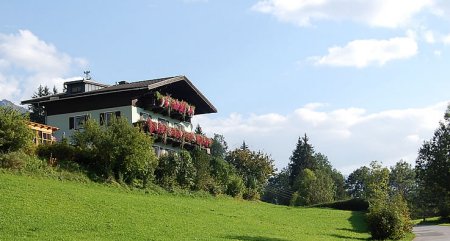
<point x="34" y="208"/>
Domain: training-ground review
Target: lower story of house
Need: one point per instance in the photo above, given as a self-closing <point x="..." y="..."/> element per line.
<point x="69" y="123"/>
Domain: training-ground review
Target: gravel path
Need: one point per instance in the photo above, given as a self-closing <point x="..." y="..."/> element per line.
<point x="432" y="232"/>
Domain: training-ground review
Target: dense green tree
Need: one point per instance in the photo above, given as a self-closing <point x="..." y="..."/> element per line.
<point x="302" y="158"/>
<point x="37" y="111"/>
<point x="356" y="183"/>
<point x="313" y="187"/>
<point x="277" y="190"/>
<point x="433" y="167"/>
<point x="219" y="146"/>
<point x="122" y="150"/>
<point x="254" y="167"/>
<point x="201" y="161"/>
<point x="402" y="179"/>
<point x="14" y="132"/>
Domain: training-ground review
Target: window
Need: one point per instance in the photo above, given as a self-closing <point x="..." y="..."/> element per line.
<point x="144" y="116"/>
<point x="77" y="122"/>
<point x="75" y="89"/>
<point x="106" y="117"/>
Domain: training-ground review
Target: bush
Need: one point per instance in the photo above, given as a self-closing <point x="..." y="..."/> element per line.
<point x="355" y="204"/>
<point x="14" y="133"/>
<point x="60" y="151"/>
<point x="13" y="160"/>
<point x="389" y="220"/>
<point x="235" y="186"/>
<point x="118" y="150"/>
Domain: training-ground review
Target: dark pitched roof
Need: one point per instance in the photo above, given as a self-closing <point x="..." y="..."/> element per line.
<point x="144" y="84"/>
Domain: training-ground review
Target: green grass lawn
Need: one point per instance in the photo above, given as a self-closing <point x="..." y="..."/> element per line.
<point x="33" y="208"/>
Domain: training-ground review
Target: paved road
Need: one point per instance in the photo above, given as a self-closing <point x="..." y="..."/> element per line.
<point x="432" y="232"/>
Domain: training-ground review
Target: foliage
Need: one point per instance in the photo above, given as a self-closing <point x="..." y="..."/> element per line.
<point x="219" y="146"/>
<point x="313" y="188"/>
<point x="433" y="168"/>
<point x="254" y="167"/>
<point x="130" y="154"/>
<point x="356" y="183"/>
<point x="202" y="166"/>
<point x="60" y="150"/>
<point x="235" y="186"/>
<point x="354" y="204"/>
<point x="302" y="158"/>
<point x="176" y="170"/>
<point x="49" y="209"/>
<point x="15" y="135"/>
<point x="15" y="160"/>
<point x="402" y="180"/>
<point x="37" y="112"/>
<point x="389" y="218"/>
<point x="277" y="190"/>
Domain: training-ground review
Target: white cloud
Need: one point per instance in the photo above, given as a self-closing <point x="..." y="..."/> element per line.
<point x="379" y="13"/>
<point x="350" y="137"/>
<point x="362" y="53"/>
<point x="26" y="62"/>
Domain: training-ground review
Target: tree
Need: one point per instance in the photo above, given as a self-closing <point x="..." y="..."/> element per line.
<point x="313" y="187"/>
<point x="356" y="183"/>
<point x="219" y="146"/>
<point x="254" y="167"/>
<point x="244" y="146"/>
<point x="14" y="133"/>
<point x="198" y="130"/>
<point x="433" y="167"/>
<point x="37" y="111"/>
<point x="277" y="190"/>
<point x="302" y="158"/>
<point x="122" y="150"/>
<point x="203" y="169"/>
<point x="402" y="179"/>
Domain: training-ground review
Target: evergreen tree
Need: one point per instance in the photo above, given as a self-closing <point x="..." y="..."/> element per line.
<point x="198" y="130"/>
<point x="244" y="146"/>
<point x="37" y="112"/>
<point x="302" y="158"/>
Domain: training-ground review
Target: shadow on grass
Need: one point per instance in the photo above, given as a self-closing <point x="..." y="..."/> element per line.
<point x="359" y="226"/>
<point x="253" y="238"/>
<point x="435" y="221"/>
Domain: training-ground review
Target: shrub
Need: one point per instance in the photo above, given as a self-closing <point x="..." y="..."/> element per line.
<point x="201" y="163"/>
<point x="389" y="220"/>
<point x="355" y="204"/>
<point x="175" y="170"/>
<point x="14" y="133"/>
<point x="60" y="151"/>
<point x="235" y="186"/>
<point x="119" y="149"/>
<point x="13" y="160"/>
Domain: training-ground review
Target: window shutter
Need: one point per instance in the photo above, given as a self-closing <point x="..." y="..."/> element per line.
<point x="71" y="123"/>
<point x="102" y="119"/>
<point x="117" y="114"/>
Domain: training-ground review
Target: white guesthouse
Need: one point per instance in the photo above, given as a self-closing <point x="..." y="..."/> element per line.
<point x="161" y="107"/>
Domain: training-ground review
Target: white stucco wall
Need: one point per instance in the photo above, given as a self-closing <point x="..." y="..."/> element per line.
<point x="62" y="121"/>
<point x="132" y="114"/>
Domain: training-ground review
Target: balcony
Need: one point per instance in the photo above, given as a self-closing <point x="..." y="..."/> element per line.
<point x="174" y="136"/>
<point x="168" y="106"/>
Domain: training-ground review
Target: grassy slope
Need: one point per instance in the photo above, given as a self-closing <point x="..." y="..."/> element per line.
<point x="47" y="209"/>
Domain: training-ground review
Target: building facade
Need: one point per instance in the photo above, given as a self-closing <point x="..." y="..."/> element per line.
<point x="161" y="107"/>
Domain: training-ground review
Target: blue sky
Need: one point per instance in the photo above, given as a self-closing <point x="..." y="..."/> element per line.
<point x="366" y="80"/>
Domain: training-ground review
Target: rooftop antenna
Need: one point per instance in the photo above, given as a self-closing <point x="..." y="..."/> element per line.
<point x="86" y="75"/>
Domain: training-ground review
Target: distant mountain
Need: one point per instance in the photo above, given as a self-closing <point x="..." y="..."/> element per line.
<point x="6" y="102"/>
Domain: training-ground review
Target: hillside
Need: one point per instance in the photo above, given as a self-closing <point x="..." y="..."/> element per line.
<point x="46" y="209"/>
